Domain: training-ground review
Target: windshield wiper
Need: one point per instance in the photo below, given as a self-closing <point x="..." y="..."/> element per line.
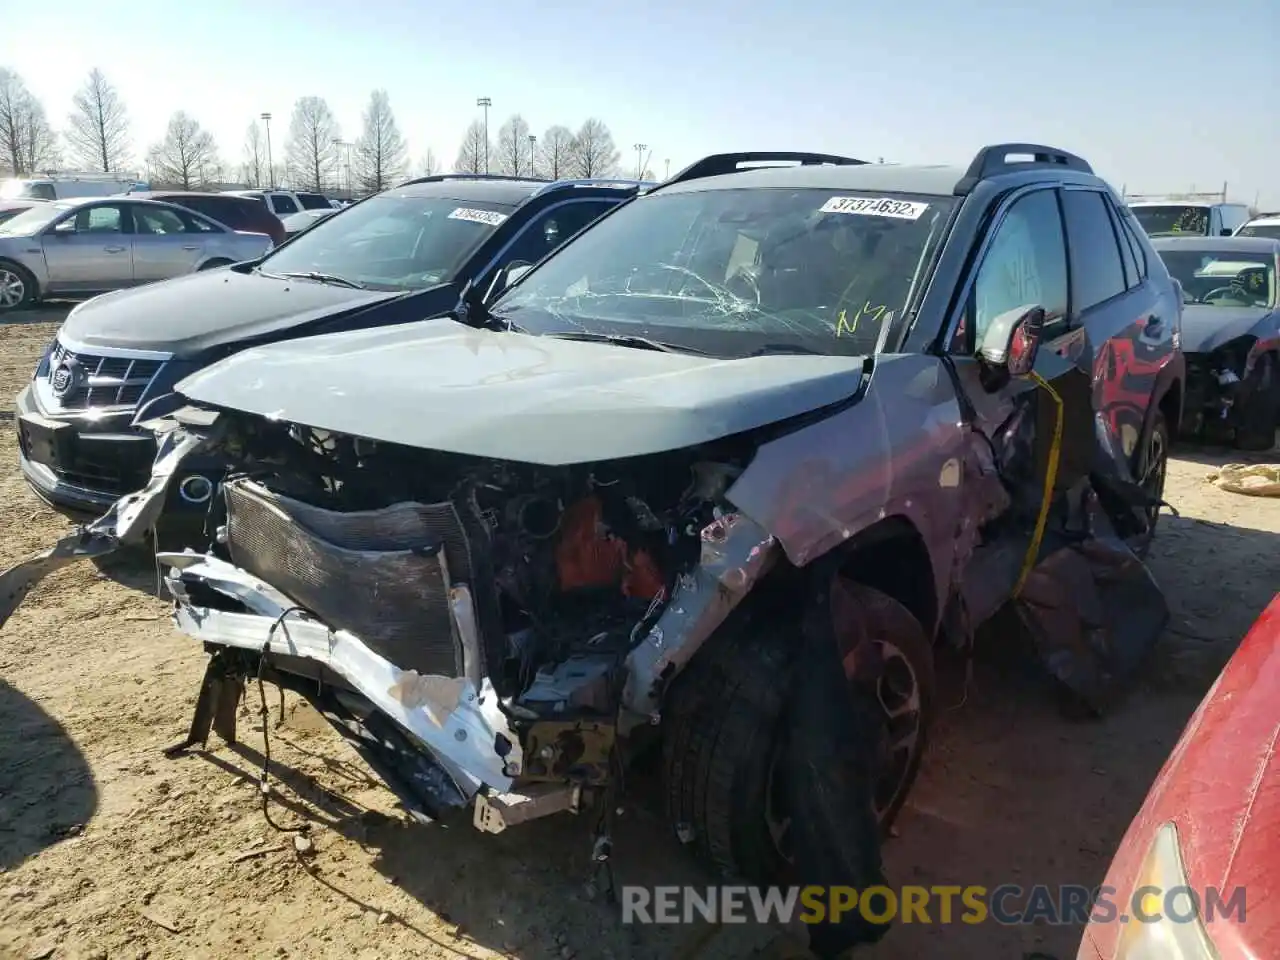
<point x="324" y="278"/>
<point x="626" y="340"/>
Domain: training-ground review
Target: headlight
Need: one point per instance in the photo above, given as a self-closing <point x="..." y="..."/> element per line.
<point x="1180" y="937"/>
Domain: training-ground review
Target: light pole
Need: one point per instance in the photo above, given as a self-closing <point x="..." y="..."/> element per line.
<point x="344" y="160"/>
<point x="533" y="155"/>
<point x="640" y="149"/>
<point x="271" y="170"/>
<point x="667" y="173"/>
<point x="485" y="102"/>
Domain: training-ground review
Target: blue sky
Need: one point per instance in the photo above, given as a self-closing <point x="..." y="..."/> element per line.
<point x="1158" y="96"/>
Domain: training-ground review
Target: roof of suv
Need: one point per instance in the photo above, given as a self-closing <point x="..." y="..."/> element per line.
<point x="509" y="190"/>
<point x="822" y="171"/>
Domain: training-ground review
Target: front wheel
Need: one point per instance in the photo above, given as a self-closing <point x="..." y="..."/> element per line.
<point x="786" y="760"/>
<point x="1256" y="429"/>
<point x="17" y="286"/>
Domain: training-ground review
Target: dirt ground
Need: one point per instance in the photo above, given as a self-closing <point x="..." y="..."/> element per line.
<point x="107" y="849"/>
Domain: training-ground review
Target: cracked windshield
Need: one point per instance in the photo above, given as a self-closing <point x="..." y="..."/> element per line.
<point x="735" y="272"/>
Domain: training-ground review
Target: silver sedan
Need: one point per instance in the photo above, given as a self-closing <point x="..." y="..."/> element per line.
<point x="78" y="247"/>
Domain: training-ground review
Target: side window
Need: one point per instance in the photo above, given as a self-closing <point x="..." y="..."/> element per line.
<point x="42" y="191"/>
<point x="282" y="205"/>
<point x="104" y="219"/>
<point x="1097" y="272"/>
<point x="151" y="221"/>
<point x="198" y="224"/>
<point x="1129" y="235"/>
<point x="552" y="228"/>
<point x="1131" y="273"/>
<point x="1025" y="266"/>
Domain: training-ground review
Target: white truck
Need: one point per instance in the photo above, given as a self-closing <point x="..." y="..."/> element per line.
<point x="68" y="186"/>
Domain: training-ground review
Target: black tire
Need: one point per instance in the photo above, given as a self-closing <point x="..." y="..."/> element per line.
<point x="1151" y="472"/>
<point x="1256" y="427"/>
<point x="722" y="722"/>
<point x="214" y="264"/>
<point x="729" y="726"/>
<point x="13" y="277"/>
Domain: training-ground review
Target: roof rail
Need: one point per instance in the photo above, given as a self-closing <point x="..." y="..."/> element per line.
<point x="439" y="177"/>
<point x="722" y="163"/>
<point x="994" y="159"/>
<point x="596" y="182"/>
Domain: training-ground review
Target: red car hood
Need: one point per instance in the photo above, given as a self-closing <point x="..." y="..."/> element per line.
<point x="1221" y="787"/>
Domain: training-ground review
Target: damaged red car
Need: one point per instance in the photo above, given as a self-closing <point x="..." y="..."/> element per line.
<point x="716" y="477"/>
<point x="1195" y="872"/>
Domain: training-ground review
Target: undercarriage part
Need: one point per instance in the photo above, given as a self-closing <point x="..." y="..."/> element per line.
<point x="496" y="813"/>
<point x="576" y="750"/>
<point x="221" y="690"/>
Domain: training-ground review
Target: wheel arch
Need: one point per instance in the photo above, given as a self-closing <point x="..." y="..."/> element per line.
<point x="891" y="555"/>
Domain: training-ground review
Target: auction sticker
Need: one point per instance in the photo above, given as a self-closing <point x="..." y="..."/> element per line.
<point x="876" y="207"/>
<point x="490" y="217"/>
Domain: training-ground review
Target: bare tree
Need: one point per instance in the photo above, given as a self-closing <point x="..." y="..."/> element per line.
<point x="254" y="169"/>
<point x="187" y="155"/>
<point x="594" y="153"/>
<point x="312" y="155"/>
<point x="430" y="165"/>
<point x="27" y="142"/>
<point x="514" y="148"/>
<point x="472" y="153"/>
<point x="98" y="127"/>
<point x="555" y="150"/>
<point x="380" y="155"/>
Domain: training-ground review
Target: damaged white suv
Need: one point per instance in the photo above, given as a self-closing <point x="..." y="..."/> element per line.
<point x="718" y="471"/>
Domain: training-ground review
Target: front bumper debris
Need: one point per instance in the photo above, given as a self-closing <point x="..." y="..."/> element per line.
<point x="459" y="723"/>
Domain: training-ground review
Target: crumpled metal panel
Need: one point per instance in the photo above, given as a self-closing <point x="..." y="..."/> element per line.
<point x="332" y="564"/>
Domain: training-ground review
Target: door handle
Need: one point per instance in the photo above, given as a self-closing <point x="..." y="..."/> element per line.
<point x="114" y="249"/>
<point x="191" y="246"/>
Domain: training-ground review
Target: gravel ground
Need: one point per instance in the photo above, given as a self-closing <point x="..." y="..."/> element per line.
<point x="110" y="850"/>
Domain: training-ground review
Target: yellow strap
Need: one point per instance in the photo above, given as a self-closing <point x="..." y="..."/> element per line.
<point x="1050" y="479"/>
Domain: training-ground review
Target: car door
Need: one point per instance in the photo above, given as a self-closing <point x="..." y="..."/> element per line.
<point x="1020" y="263"/>
<point x="166" y="243"/>
<point x="1125" y="323"/>
<point x="90" y="249"/>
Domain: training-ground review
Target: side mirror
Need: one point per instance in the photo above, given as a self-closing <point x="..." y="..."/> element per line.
<point x="1226" y="231"/>
<point x="1012" y="342"/>
<point x="66" y="228"/>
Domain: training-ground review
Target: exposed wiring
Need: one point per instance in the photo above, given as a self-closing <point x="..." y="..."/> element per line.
<point x="264" y="780"/>
<point x="1050" y="481"/>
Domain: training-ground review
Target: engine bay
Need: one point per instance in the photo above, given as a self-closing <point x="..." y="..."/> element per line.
<point x="566" y="568"/>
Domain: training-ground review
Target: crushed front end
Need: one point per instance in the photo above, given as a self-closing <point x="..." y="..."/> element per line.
<point x="1215" y="386"/>
<point x="485" y="633"/>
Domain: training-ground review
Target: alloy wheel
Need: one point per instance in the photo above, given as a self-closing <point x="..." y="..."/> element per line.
<point x="13" y="289"/>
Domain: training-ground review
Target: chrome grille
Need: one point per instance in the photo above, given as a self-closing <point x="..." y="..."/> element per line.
<point x="108" y="381"/>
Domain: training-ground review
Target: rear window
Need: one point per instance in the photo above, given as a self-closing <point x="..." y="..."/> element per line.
<point x="1173" y="219"/>
<point x="1271" y="230"/>
<point x="229" y="212"/>
<point x="282" y="205"/>
<point x="314" y="201"/>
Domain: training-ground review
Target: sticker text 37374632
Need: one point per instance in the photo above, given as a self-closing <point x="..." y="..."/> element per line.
<point x="876" y="207"/>
<point x="490" y="217"/>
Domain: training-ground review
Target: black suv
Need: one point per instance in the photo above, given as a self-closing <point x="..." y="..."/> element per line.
<point x="401" y="255"/>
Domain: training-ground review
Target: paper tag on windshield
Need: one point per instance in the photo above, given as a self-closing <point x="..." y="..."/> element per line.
<point x="489" y="217"/>
<point x="876" y="207"/>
